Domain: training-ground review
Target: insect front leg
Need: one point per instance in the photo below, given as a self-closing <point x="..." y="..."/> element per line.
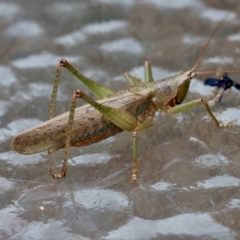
<point x="191" y="104"/>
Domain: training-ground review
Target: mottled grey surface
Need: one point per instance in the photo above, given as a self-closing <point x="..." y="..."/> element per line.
<point x="189" y="170"/>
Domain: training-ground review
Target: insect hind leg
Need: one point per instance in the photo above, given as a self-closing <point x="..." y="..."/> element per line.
<point x="63" y="172"/>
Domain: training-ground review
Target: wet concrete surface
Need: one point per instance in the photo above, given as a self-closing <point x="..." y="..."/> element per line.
<point x="188" y="169"/>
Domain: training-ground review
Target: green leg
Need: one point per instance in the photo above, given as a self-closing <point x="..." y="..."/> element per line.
<point x="142" y="126"/>
<point x="135" y="156"/>
<point x="120" y="117"/>
<point x="191" y="104"/>
<point x="98" y="90"/>
<point x="63" y="172"/>
<point x="133" y="81"/>
<point x="148" y="72"/>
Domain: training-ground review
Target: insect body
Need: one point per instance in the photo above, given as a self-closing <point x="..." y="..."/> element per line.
<point x="132" y="109"/>
<point x="89" y="126"/>
<point x="222" y="84"/>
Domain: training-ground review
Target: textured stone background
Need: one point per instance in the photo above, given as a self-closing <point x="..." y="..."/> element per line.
<point x="189" y="170"/>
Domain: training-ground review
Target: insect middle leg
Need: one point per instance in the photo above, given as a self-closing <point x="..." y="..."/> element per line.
<point x="145" y="121"/>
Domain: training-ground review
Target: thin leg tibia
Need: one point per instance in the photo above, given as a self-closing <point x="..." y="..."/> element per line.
<point x="67" y="143"/>
<point x="119" y="117"/>
<point x="141" y="126"/>
<point x="135" y="160"/>
<point x="99" y="90"/>
<point x="54" y="92"/>
<point x="148" y="72"/>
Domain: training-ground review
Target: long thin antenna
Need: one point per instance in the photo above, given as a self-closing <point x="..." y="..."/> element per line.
<point x="211" y="37"/>
<point x="221" y="71"/>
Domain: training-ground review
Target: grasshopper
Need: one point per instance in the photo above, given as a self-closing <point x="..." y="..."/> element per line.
<point x="131" y="109"/>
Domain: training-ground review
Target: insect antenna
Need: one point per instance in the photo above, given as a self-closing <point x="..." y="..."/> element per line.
<point x="210" y="39"/>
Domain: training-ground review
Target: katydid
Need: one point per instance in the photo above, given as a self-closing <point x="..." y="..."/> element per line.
<point x="131" y="109"/>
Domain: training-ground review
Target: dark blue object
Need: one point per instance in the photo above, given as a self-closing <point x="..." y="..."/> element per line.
<point x="224" y="82"/>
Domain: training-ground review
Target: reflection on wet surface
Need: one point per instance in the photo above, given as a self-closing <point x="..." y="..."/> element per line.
<point x="188" y="169"/>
